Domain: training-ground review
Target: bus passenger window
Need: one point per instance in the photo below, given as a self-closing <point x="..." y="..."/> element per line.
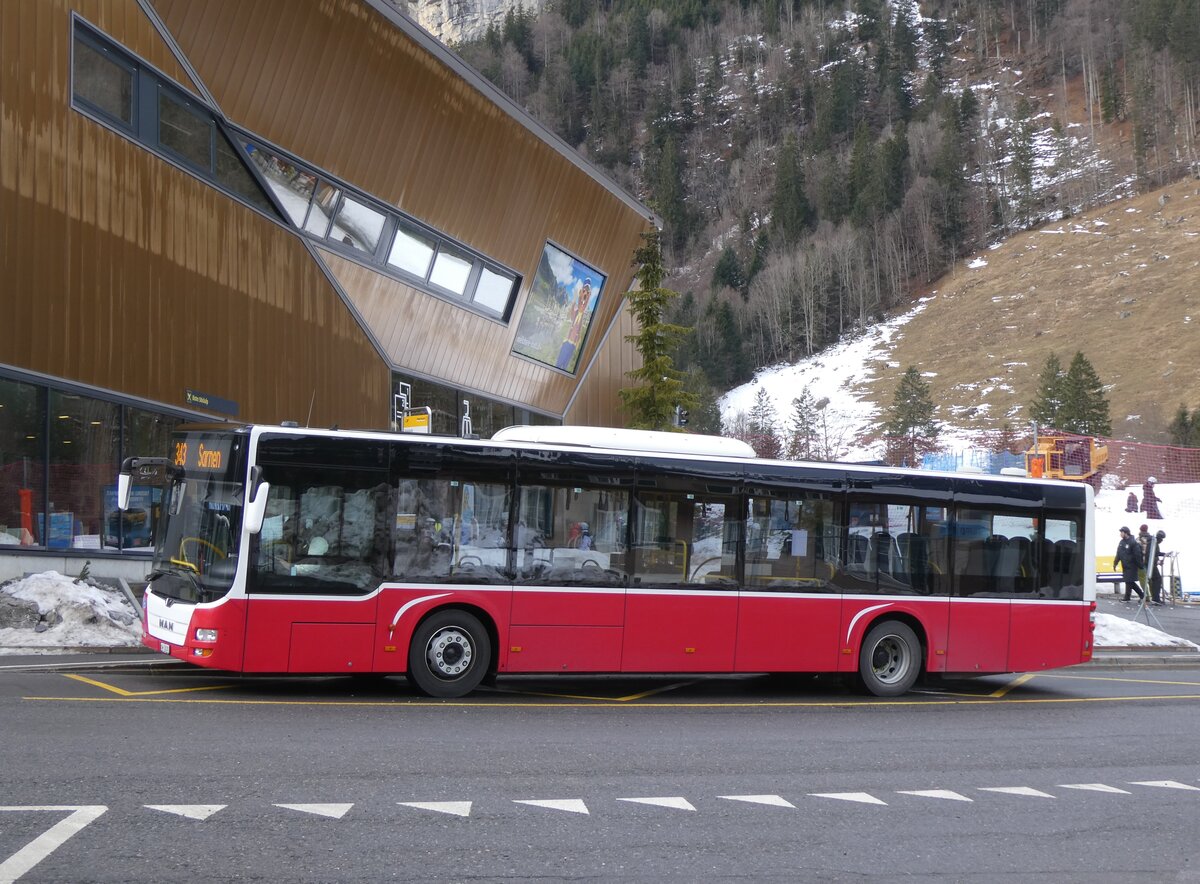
<point x="895" y="549"/>
<point x="450" y="530"/>
<point x="791" y="543"/>
<point x="685" y="539"/>
<point x="571" y="535"/>
<point x="326" y="533"/>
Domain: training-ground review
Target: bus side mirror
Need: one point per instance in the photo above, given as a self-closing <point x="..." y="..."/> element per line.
<point x="257" y="508"/>
<point x="124" y="484"/>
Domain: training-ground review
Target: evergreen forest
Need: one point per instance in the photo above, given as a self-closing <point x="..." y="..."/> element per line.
<point x="817" y="164"/>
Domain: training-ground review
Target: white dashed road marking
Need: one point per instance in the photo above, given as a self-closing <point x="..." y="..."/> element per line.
<point x="1095" y="787"/>
<point x="191" y="811"/>
<point x="1167" y="784"/>
<point x="334" y="811"/>
<point x="571" y="805"/>
<point x="937" y="793"/>
<point x="1016" y="790"/>
<point x="457" y="808"/>
<point x="772" y="800"/>
<point x="50" y="840"/>
<point x="677" y="803"/>
<point x="860" y="797"/>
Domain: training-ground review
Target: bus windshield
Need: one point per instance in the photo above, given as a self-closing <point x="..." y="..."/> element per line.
<point x="196" y="547"/>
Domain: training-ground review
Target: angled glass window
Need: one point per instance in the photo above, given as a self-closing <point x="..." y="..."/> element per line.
<point x="115" y="88"/>
<point x="411" y="251"/>
<point x="184" y="130"/>
<point x="357" y="225"/>
<point x="493" y="290"/>
<point x="292" y="186"/>
<point x="102" y="81"/>
<point x="232" y="174"/>
<point x="324" y="203"/>
<point x="451" y="270"/>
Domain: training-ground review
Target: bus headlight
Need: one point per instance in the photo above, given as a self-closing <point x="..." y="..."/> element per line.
<point x="206" y="635"/>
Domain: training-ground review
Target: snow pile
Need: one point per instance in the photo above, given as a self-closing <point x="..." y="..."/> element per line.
<point x="48" y="611"/>
<point x="1117" y="632"/>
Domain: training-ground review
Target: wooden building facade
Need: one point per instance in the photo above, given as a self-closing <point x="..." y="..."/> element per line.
<point x="276" y="211"/>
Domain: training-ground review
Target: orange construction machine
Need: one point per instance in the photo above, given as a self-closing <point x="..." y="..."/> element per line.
<point x="1066" y="456"/>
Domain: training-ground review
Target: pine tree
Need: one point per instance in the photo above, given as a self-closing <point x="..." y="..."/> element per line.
<point x="651" y="403"/>
<point x="790" y="212"/>
<point x="764" y="435"/>
<point x="1185" y="428"/>
<point x="1047" y="403"/>
<point x="803" y="438"/>
<point x="728" y="271"/>
<point x="1084" y="406"/>
<point x="911" y="428"/>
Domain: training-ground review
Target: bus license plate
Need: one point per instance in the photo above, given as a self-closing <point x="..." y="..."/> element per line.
<point x="164" y="647"/>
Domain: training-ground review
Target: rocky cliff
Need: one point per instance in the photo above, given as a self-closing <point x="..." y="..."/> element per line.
<point x="453" y="21"/>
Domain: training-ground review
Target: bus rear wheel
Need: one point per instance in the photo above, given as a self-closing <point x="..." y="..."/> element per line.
<point x="889" y="660"/>
<point x="449" y="654"/>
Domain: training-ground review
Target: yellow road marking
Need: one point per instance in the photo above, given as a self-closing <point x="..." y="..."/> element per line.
<point x="1015" y="683"/>
<point x="612" y="704"/>
<point x="1125" y="680"/>
<point x="124" y="693"/>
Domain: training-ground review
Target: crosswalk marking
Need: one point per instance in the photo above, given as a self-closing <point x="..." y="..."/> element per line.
<point x="1095" y="787"/>
<point x="191" y="811"/>
<point x="772" y="800"/>
<point x="1016" y="790"/>
<point x="860" y="797"/>
<point x="50" y="840"/>
<point x="571" y="805"/>
<point x="677" y="803"/>
<point x="1167" y="784"/>
<point x="335" y="811"/>
<point x="457" y="808"/>
<point x="936" y="793"/>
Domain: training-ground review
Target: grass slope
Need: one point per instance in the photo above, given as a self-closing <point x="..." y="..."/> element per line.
<point x="1121" y="283"/>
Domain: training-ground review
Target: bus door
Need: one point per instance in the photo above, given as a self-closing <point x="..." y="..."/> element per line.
<point x="320" y="556"/>
<point x="789" y="609"/>
<point x="682" y="605"/>
<point x="570" y="548"/>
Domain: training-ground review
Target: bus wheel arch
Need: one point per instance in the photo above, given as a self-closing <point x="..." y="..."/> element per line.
<point x="891" y="656"/>
<point x="452" y="650"/>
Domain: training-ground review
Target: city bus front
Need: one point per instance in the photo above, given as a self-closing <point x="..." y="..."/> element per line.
<point x="194" y="603"/>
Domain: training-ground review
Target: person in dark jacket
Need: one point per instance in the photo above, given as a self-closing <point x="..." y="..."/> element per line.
<point x="1150" y="500"/>
<point x="1129" y="558"/>
<point x="1155" y="568"/>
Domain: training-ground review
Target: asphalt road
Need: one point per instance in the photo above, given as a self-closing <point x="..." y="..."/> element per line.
<point x="132" y="776"/>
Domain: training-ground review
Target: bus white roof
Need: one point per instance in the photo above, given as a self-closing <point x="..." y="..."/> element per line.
<point x="616" y="439"/>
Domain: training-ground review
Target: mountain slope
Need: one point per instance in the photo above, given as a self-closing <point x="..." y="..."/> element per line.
<point x="1120" y="283"/>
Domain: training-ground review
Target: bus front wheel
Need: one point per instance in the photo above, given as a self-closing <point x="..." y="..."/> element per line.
<point x="889" y="660"/>
<point x="449" y="654"/>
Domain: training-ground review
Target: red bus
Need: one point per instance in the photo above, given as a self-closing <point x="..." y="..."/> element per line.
<point x="585" y="550"/>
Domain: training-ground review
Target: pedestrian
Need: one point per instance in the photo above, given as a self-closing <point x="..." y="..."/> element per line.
<point x="1129" y="558"/>
<point x="1155" y="568"/>
<point x="1131" y="503"/>
<point x="1143" y="541"/>
<point x="1150" y="500"/>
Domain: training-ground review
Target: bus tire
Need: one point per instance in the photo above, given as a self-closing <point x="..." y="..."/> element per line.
<point x="889" y="660"/>
<point x="449" y="655"/>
